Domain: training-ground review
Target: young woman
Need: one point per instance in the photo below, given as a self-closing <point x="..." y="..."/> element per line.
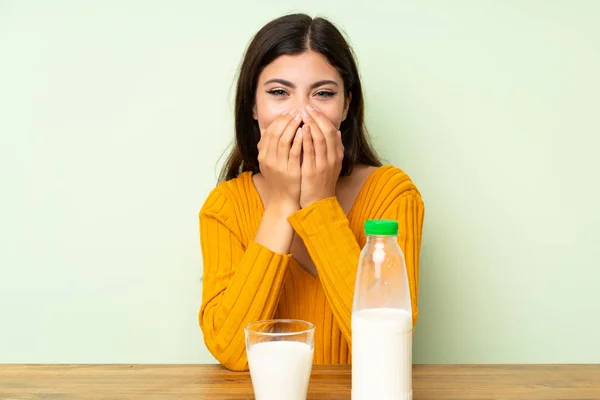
<point x="282" y="232"/>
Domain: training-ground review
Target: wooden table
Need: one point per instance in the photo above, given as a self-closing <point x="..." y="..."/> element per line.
<point x="199" y="382"/>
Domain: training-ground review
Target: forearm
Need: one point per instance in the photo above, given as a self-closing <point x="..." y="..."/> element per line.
<point x="250" y="294"/>
<point x="275" y="232"/>
<point x="325" y="231"/>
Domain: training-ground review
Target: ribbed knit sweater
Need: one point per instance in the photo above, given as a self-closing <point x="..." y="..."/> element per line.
<point x="245" y="282"/>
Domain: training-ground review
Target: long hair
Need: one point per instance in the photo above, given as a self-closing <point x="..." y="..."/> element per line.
<point x="291" y="35"/>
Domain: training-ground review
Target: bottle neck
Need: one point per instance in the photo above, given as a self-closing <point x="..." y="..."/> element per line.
<point x="381" y="239"/>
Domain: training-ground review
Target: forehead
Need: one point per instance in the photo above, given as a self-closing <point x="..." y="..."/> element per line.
<point x="309" y="66"/>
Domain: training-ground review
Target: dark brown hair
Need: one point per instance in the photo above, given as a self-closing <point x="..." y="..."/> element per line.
<point x="290" y="35"/>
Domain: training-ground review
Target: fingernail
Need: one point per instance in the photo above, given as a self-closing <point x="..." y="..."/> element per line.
<point x="304" y="113"/>
<point x="297" y="117"/>
<point x="310" y="108"/>
<point x="292" y="112"/>
<point x="299" y="133"/>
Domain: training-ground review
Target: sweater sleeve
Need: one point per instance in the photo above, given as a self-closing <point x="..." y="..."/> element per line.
<point x="325" y="230"/>
<point x="241" y="284"/>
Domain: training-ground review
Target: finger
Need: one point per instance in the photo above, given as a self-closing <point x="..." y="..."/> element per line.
<point x="308" y="148"/>
<point x="329" y="131"/>
<point x="321" y="120"/>
<point x="340" y="148"/>
<point x="279" y="123"/>
<point x="275" y="130"/>
<point x="295" y="151"/>
<point x="318" y="140"/>
<point x="287" y="138"/>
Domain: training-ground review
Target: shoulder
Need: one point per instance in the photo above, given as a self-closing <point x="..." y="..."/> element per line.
<point x="390" y="182"/>
<point x="226" y="197"/>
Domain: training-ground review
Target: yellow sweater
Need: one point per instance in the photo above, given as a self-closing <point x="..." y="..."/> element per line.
<point x="245" y="282"/>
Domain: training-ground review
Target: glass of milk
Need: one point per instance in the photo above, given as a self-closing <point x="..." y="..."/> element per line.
<point x="280" y="355"/>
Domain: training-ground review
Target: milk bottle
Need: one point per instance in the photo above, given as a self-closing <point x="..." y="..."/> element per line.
<point x="381" y="318"/>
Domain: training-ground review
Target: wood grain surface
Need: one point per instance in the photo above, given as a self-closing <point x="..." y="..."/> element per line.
<point x="328" y="382"/>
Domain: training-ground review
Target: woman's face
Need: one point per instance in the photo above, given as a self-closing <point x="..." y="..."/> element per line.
<point x="294" y="82"/>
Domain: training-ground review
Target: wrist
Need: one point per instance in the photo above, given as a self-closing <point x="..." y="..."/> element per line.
<point x="282" y="208"/>
<point x="307" y="201"/>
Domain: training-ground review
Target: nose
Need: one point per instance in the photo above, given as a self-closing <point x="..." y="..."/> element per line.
<point x="300" y="103"/>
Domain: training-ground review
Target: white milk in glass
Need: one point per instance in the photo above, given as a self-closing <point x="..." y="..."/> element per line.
<point x="381" y="354"/>
<point x="280" y="370"/>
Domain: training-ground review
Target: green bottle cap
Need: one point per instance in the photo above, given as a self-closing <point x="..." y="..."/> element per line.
<point x="381" y="227"/>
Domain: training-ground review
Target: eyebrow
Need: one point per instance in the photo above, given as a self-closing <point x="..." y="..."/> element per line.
<point x="291" y="85"/>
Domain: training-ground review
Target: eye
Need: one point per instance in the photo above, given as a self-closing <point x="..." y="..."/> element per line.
<point x="325" y="93"/>
<point x="277" y="92"/>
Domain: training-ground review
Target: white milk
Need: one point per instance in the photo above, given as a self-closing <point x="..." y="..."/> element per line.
<point x="280" y="370"/>
<point x="381" y="354"/>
